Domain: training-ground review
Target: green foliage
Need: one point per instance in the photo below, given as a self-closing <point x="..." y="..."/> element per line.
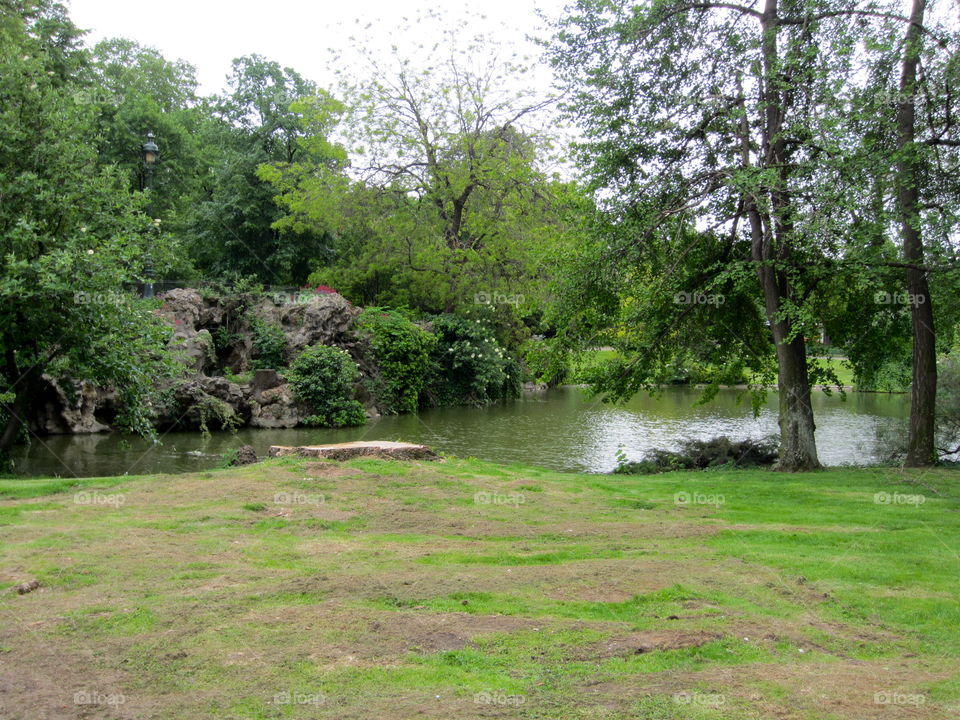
<point x="402" y="353"/>
<point x="269" y="343"/>
<point x="322" y="378"/>
<point x="545" y="361"/>
<point x="232" y="226"/>
<point x="470" y="367"/>
<point x="71" y="234"/>
<point x="455" y="203"/>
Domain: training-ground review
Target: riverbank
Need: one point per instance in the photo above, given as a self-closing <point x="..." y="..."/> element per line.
<point x="585" y="435"/>
<point x="368" y="589"/>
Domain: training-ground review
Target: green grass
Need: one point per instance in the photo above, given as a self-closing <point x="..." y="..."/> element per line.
<point x="400" y="596"/>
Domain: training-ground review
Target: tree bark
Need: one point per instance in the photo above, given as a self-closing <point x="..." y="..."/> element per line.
<point x="771" y="237"/>
<point x="921" y="446"/>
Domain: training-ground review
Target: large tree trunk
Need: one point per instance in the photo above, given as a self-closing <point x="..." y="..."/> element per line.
<point x="771" y="236"/>
<point x="798" y="446"/>
<point x="921" y="448"/>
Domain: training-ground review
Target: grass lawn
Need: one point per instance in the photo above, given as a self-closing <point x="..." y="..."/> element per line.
<point x="463" y="589"/>
<point x="840" y="366"/>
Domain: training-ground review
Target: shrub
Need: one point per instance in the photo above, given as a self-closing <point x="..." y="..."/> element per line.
<point x="322" y="378"/>
<point x="469" y="366"/>
<point x="269" y="343"/>
<point x="401" y="350"/>
<point x="702" y="454"/>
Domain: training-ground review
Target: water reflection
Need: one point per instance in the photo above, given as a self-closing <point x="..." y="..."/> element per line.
<point x="562" y="429"/>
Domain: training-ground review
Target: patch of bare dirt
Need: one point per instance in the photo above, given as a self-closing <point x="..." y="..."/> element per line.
<point x="329" y="469"/>
<point x="638" y="643"/>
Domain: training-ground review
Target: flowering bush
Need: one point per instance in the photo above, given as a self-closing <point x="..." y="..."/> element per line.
<point x="469" y="365"/>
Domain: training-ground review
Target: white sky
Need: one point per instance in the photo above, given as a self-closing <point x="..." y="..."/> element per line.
<point x="295" y="33"/>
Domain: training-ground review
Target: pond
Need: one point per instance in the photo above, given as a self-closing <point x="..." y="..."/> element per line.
<point x="561" y="428"/>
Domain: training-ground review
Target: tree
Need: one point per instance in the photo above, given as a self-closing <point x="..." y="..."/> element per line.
<point x="135" y="90"/>
<point x="71" y="235"/>
<point x="747" y="139"/>
<point x="450" y="199"/>
<point x="232" y="228"/>
<point x="904" y="127"/>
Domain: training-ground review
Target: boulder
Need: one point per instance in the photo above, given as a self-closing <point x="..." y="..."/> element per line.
<point x="207" y="400"/>
<point x="72" y="408"/>
<point x="193" y="344"/>
<point x="275" y="407"/>
<point x="182" y="307"/>
<point x="264" y="380"/>
<point x="324" y="320"/>
<point x="246" y="455"/>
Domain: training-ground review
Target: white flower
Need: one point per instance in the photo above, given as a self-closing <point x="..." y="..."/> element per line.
<point x="83" y="229"/>
<point x="90" y="251"/>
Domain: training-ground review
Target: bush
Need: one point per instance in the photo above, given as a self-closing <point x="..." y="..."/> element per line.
<point x="401" y="350"/>
<point x="469" y="366"/>
<point x="269" y="344"/>
<point x="702" y="454"/>
<point x="322" y="378"/>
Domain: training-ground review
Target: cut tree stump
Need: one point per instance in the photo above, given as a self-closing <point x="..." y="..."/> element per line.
<point x="345" y="451"/>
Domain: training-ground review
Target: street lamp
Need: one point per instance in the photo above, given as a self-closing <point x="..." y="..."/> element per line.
<point x="150" y="152"/>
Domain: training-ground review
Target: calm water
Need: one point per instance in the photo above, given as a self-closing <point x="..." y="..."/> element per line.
<point x="562" y="429"/>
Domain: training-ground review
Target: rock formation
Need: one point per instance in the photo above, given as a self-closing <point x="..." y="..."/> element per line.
<point x="223" y="386"/>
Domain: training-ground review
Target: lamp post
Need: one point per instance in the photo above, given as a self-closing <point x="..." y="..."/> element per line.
<point x="149" y="152"/>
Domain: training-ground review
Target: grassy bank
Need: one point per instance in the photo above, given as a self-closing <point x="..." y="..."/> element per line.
<point x="462" y="589"/>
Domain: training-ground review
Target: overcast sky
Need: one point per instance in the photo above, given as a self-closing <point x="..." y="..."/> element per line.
<point x="295" y="33"/>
